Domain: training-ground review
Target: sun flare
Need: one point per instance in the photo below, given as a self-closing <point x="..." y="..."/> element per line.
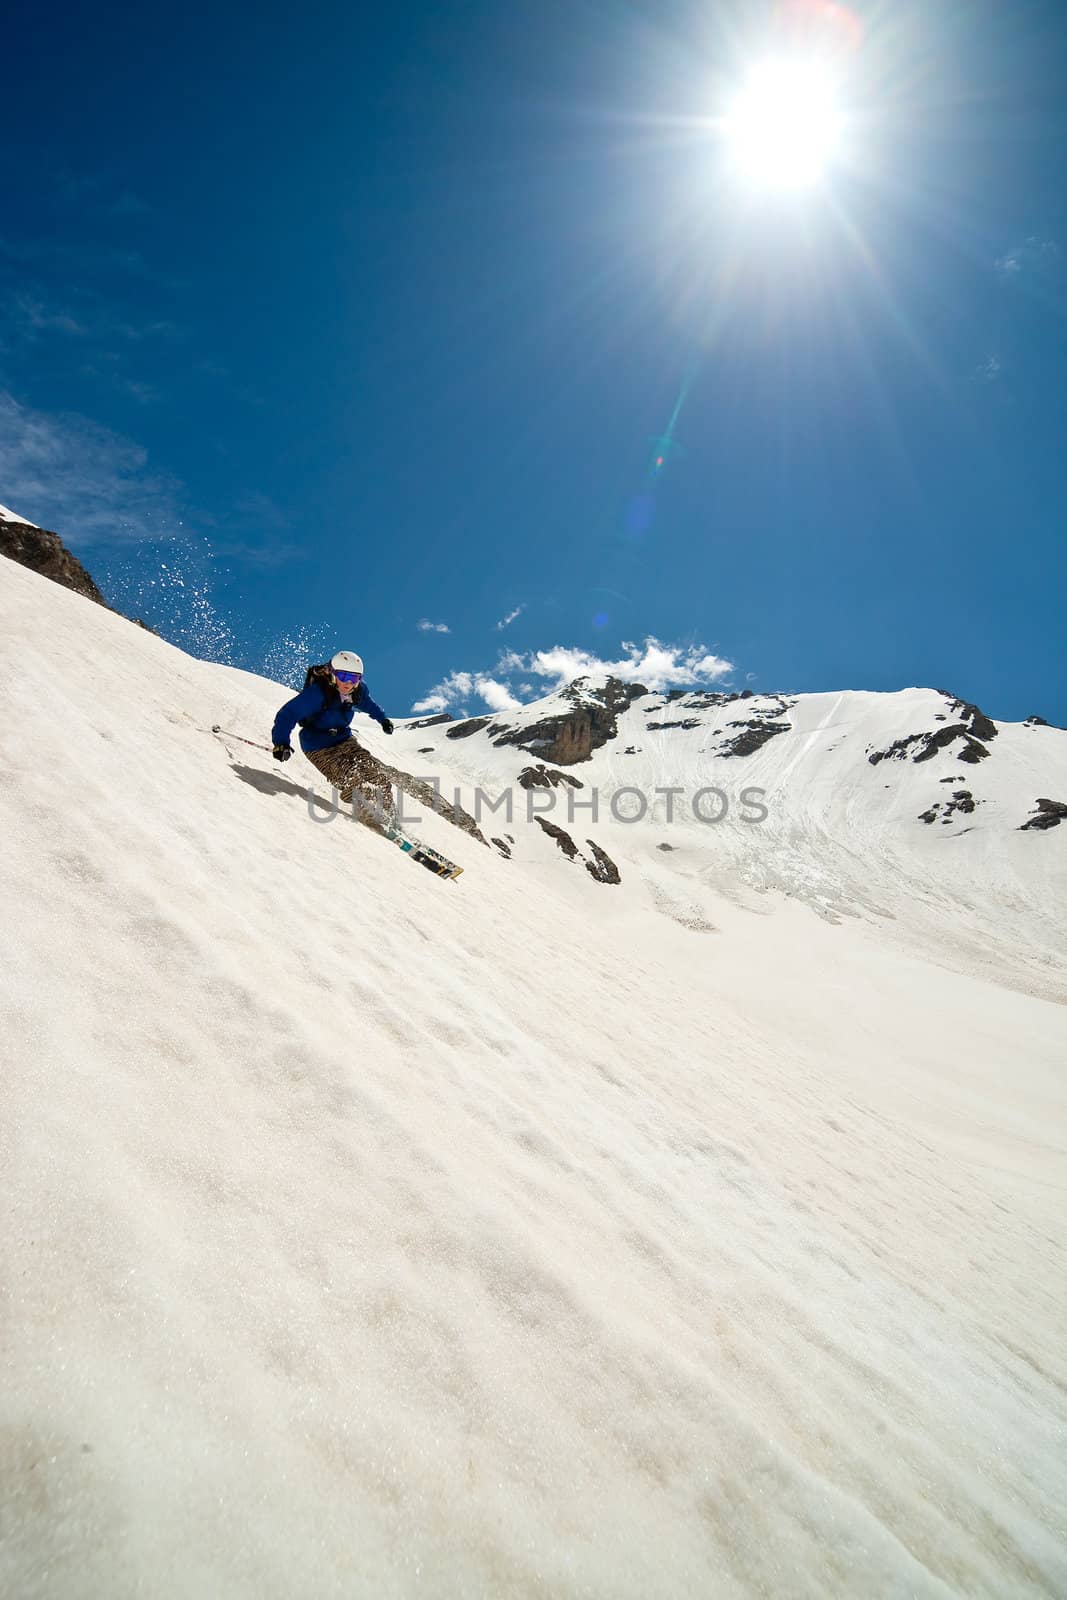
<point x="784" y="126"/>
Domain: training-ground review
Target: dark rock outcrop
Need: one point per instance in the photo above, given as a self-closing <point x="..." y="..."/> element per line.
<point x="978" y="724"/>
<point x="45" y="552"/>
<point x="504" y="848"/>
<point x="599" y="864"/>
<point x="962" y="801"/>
<point x="699" y="699"/>
<point x="972" y="726"/>
<point x="1036" y="722"/>
<point x="562" y="838"/>
<point x="924" y="746"/>
<point x="601" y="867"/>
<point x="571" y="736"/>
<point x="463" y="730"/>
<point x="754" y="737"/>
<point x="689" y="722"/>
<point x="973" y="752"/>
<point x="431" y="722"/>
<point x="541" y="777"/>
<point x="1049" y="814"/>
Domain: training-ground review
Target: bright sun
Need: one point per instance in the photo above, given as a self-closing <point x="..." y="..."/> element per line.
<point x="783" y="127"/>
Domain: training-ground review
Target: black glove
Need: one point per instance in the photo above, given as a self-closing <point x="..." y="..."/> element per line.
<point x="282" y="752"/>
<point x="387" y="726"/>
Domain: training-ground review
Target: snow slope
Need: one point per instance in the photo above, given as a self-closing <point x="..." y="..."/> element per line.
<point x="928" y="851"/>
<point x="13" y="516"/>
<point x="367" y="1234"/>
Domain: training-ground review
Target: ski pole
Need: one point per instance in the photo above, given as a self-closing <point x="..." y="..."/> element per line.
<point x="240" y="738"/>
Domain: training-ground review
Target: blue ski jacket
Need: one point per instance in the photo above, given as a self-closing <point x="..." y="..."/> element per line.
<point x="324" y="720"/>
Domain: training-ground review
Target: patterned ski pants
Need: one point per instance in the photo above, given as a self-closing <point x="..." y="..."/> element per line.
<point x="356" y="775"/>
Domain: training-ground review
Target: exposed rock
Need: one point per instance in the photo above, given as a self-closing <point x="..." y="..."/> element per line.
<point x="698" y="699"/>
<point x="426" y="750"/>
<point x="1035" y="722"/>
<point x="924" y="746"/>
<point x="981" y="726"/>
<point x="973" y="752"/>
<point x="973" y="727"/>
<point x="601" y="868"/>
<point x="544" y="778"/>
<point x="563" y="839"/>
<point x="1049" y="814"/>
<point x="962" y="801"/>
<point x="463" y="730"/>
<point x="572" y="736"/>
<point x="755" y="736"/>
<point x="504" y="848"/>
<point x="431" y="722"/>
<point x="665" y="847"/>
<point x="45" y="552"/>
<point x="690" y="722"/>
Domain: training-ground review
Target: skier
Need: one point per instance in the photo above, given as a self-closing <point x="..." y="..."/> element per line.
<point x="324" y="708"/>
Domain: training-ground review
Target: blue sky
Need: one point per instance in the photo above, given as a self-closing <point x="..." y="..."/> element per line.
<point x="317" y="325"/>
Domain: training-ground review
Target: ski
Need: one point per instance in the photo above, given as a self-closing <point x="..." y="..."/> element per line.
<point x="424" y="854"/>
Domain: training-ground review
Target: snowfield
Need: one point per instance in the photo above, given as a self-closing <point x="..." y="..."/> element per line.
<point x="13" y="516"/>
<point x="365" y="1234"/>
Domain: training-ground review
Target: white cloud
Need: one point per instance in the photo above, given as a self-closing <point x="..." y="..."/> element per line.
<point x="652" y="663"/>
<point x="89" y="484"/>
<point x="990" y="369"/>
<point x="432" y="704"/>
<point x="424" y="625"/>
<point x="497" y="696"/>
<point x="1032" y="252"/>
<point x="459" y="687"/>
<point x="505" y="622"/>
<point x="656" y="665"/>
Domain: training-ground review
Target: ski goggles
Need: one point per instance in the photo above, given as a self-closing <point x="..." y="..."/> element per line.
<point x="349" y="679"/>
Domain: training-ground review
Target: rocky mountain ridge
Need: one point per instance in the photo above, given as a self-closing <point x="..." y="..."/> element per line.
<point x="568" y="727"/>
<point x="44" y="551"/>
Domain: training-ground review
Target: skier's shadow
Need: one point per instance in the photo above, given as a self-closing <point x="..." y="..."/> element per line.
<point x="267" y="782"/>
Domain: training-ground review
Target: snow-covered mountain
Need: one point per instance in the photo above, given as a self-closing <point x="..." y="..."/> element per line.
<point x="44" y="552"/>
<point x="913" y="811"/>
<point x="697" y="1234"/>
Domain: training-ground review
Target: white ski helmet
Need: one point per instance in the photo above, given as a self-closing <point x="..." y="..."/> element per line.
<point x="347" y="661"/>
